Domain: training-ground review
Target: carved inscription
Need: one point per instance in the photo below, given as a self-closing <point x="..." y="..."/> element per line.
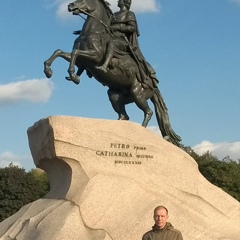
<point x="113" y="154"/>
<point x="125" y="153"/>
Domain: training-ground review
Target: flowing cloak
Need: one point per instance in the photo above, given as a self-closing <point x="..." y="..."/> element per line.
<point x="128" y="23"/>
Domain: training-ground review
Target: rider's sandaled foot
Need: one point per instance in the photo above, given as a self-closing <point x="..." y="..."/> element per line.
<point x="102" y="68"/>
<point x="74" y="79"/>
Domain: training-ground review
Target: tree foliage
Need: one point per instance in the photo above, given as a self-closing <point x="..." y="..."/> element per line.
<point x="18" y="188"/>
<point x="222" y="173"/>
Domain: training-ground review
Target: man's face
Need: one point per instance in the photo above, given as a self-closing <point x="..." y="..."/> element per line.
<point x="120" y="3"/>
<point x="160" y="217"/>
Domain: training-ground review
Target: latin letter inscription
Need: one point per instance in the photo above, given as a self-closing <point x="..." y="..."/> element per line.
<point x="124" y="153"/>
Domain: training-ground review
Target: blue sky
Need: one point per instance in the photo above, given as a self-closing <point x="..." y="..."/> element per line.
<point x="194" y="46"/>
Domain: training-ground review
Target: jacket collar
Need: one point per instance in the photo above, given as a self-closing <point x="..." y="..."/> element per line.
<point x="166" y="227"/>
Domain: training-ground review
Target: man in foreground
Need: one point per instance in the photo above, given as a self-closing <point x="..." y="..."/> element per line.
<point x="162" y="230"/>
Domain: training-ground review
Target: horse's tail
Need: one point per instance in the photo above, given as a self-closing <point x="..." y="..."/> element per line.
<point x="163" y="119"/>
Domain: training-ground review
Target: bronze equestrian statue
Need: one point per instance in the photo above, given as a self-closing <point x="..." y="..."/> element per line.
<point x="107" y="48"/>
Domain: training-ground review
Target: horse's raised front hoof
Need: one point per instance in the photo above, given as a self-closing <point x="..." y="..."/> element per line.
<point x="74" y="78"/>
<point x="48" y="72"/>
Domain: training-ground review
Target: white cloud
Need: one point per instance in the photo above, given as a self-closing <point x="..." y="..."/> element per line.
<point x="155" y="130"/>
<point x="62" y="11"/>
<point x="220" y="150"/>
<point x="60" y="6"/>
<point x="7" y="157"/>
<point x="235" y="1"/>
<point x="35" y="90"/>
<point x="138" y="6"/>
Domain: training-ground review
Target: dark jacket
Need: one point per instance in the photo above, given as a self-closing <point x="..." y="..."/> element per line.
<point x="166" y="233"/>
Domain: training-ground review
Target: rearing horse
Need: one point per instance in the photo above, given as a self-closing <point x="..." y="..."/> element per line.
<point x="121" y="77"/>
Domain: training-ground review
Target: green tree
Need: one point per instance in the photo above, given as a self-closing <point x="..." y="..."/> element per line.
<point x="222" y="173"/>
<point x="18" y="188"/>
<point x="42" y="181"/>
<point x="225" y="175"/>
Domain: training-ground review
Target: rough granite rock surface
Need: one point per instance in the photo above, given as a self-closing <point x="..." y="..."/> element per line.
<point x="106" y="178"/>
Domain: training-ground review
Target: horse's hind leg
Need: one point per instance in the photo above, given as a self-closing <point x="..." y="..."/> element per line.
<point x="118" y="102"/>
<point x="56" y="54"/>
<point x="140" y="98"/>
